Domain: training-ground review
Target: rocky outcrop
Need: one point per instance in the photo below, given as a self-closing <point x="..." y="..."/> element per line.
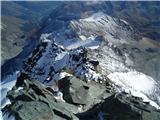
<point x="84" y="101"/>
<point x="35" y="101"/>
<point x="79" y="92"/>
<point x="120" y="107"/>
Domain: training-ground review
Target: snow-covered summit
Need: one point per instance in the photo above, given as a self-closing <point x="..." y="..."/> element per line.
<point x="112" y="29"/>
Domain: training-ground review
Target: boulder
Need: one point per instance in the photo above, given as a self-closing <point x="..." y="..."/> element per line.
<point x="35" y="102"/>
<point x="120" y="107"/>
<point x="31" y="110"/>
<point x="84" y="101"/>
<point x="74" y="90"/>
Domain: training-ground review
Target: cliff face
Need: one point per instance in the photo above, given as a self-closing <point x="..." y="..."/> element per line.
<point x="77" y="100"/>
<point x="142" y="16"/>
<point x="87" y="65"/>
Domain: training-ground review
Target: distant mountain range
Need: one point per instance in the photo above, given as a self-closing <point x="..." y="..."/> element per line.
<point x="20" y="21"/>
<point x="142" y="15"/>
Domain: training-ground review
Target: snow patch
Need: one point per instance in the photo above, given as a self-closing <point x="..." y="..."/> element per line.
<point x="61" y="75"/>
<point x="43" y="37"/>
<point x="90" y="42"/>
<point x="95" y="17"/>
<point x="82" y="37"/>
<point x="7" y="85"/>
<point x="124" y="21"/>
<point x="138" y="84"/>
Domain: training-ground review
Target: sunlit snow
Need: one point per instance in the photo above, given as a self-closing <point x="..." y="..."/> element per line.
<point x="7" y="85"/>
<point x="138" y="84"/>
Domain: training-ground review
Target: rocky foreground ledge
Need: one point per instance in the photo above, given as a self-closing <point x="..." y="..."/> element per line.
<point x="78" y="100"/>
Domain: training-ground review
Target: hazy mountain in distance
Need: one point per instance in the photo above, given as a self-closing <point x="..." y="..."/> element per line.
<point x="20" y="21"/>
<point x="142" y="15"/>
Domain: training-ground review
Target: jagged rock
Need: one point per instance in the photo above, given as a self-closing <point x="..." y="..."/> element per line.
<point x="151" y="115"/>
<point x="114" y="108"/>
<point x="31" y="110"/>
<point x="36" y="102"/>
<point x="120" y="107"/>
<point x="95" y="63"/>
<point x="74" y="90"/>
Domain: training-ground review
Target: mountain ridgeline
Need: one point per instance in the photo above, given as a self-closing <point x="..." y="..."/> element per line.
<point x="93" y="61"/>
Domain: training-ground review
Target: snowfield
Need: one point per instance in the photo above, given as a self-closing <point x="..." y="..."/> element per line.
<point x="95" y="17"/>
<point x="91" y="43"/>
<point x="138" y="84"/>
<point x="7" y="85"/>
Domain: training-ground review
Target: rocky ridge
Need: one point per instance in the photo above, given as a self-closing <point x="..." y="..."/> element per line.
<point x="77" y="100"/>
<point x="72" y="73"/>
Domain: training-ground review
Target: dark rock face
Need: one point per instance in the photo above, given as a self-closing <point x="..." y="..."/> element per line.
<point x="120" y="107"/>
<point x="75" y="90"/>
<point x="84" y="101"/>
<point x="40" y="111"/>
<point x="79" y="92"/>
<point x="34" y="101"/>
<point x="95" y="63"/>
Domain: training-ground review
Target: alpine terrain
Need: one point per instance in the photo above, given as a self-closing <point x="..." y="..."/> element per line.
<point x="90" y="63"/>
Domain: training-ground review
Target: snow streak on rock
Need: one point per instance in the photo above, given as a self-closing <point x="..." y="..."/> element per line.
<point x="7" y="85"/>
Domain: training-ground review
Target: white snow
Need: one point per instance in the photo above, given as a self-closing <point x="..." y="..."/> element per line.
<point x="64" y="60"/>
<point x="138" y="84"/>
<point x="61" y="75"/>
<point x="7" y="85"/>
<point x="95" y="17"/>
<point x="44" y="62"/>
<point x="94" y="2"/>
<point x="59" y="96"/>
<point x="124" y="21"/>
<point x="61" y="61"/>
<point x="82" y="37"/>
<point x="43" y="37"/>
<point x="89" y="42"/>
<point x="60" y="56"/>
<point x="101" y="24"/>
